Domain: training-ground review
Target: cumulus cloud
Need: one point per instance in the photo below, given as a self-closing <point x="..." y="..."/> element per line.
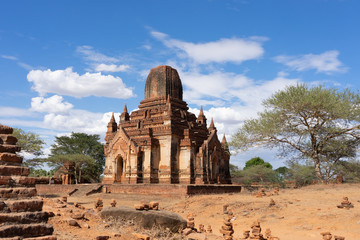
<point x="234" y="50"/>
<point x="79" y="121"/>
<point x="326" y="62"/>
<point x="92" y="55"/>
<point x="111" y="68"/>
<point x="52" y="104"/>
<point x="241" y="100"/>
<point x="67" y="82"/>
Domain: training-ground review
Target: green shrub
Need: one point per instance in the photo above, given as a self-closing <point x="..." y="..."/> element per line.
<point x="301" y="175"/>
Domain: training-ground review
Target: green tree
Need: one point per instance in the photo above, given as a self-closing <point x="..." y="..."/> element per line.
<point x="257" y="161"/>
<point x="310" y="123"/>
<point x="84" y="150"/>
<point x="30" y="143"/>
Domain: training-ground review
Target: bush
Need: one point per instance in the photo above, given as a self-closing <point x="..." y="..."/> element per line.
<point x="301" y="175"/>
<point x="256" y="174"/>
<point x="350" y="170"/>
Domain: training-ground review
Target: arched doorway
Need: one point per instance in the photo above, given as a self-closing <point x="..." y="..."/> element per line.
<point x="119" y="168"/>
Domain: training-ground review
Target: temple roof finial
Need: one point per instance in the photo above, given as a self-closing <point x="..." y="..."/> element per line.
<point x="223" y="141"/>
<point x="125" y="109"/>
<point x="112" y="119"/>
<point x="201" y="111"/>
<point x="212" y="125"/>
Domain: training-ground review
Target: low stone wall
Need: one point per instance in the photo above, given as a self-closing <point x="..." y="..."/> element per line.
<point x="55" y="189"/>
<point x="212" y="189"/>
<point x="160" y="189"/>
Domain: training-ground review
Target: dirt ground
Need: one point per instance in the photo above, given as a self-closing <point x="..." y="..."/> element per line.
<point x="299" y="214"/>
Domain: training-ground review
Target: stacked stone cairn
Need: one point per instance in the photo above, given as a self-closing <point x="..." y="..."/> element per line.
<point x="276" y="191"/>
<point x="246" y="234"/>
<point x="272" y="202"/>
<point x="98" y="205"/>
<point x="190" y="225"/>
<point x="227" y="229"/>
<point x="113" y="203"/>
<point x="21" y="215"/>
<point x="256" y="231"/>
<point x="208" y="229"/>
<point x="345" y="203"/>
<point x="201" y="228"/>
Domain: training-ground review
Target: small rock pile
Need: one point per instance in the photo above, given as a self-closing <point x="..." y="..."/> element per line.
<point x="21" y="214"/>
<point x="328" y="236"/>
<point x="345" y="203"/>
<point x="227" y="229"/>
<point x="147" y="206"/>
<point x="272" y="202"/>
<point x="256" y="233"/>
<point x="261" y="193"/>
<point x="98" y="205"/>
<point x="208" y="229"/>
<point x="113" y="203"/>
<point x="190" y="225"/>
<point x="276" y="191"/>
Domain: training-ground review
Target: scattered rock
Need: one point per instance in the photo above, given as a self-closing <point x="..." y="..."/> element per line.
<point x="102" y="237"/>
<point x="73" y="223"/>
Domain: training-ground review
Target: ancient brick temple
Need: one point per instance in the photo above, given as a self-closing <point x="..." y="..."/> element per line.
<point x="162" y="142"/>
<point x="21" y="215"/>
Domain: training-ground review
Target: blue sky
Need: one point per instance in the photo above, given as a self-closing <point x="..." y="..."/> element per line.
<point x="66" y="65"/>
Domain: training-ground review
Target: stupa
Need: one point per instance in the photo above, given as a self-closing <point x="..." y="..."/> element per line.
<point x="162" y="142"/>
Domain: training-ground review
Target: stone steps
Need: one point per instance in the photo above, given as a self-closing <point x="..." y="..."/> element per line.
<point x="10" y="158"/>
<point x="24" y="217"/>
<point x="21" y="215"/>
<point x="24" y="205"/>
<point x="14" y="171"/>
<point x="26" y="230"/>
<point x="20" y="192"/>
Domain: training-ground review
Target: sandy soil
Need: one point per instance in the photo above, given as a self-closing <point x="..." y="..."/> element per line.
<point x="299" y="214"/>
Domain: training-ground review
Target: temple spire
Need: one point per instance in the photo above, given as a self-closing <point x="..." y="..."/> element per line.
<point x="212" y="125"/>
<point x="124" y="115"/>
<point x="112" y="119"/>
<point x="201" y="118"/>
<point x="223" y="141"/>
<point x="111" y="128"/>
<point x="125" y="109"/>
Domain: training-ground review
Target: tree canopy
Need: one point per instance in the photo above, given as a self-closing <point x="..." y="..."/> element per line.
<point x="255" y="161"/>
<point x="84" y="150"/>
<point x="30" y="143"/>
<point x="321" y="124"/>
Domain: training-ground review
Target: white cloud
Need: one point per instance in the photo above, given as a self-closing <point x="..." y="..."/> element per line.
<point x="94" y="56"/>
<point x="79" y="121"/>
<point x="25" y="66"/>
<point x="242" y="100"/>
<point x="111" y="68"/>
<point x="52" y="104"/>
<point x="326" y="62"/>
<point x="14" y="112"/>
<point x="234" y="50"/>
<point x="9" y="57"/>
<point x="67" y="82"/>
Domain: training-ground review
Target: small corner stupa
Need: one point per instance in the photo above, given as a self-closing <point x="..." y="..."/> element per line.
<point x="162" y="142"/>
